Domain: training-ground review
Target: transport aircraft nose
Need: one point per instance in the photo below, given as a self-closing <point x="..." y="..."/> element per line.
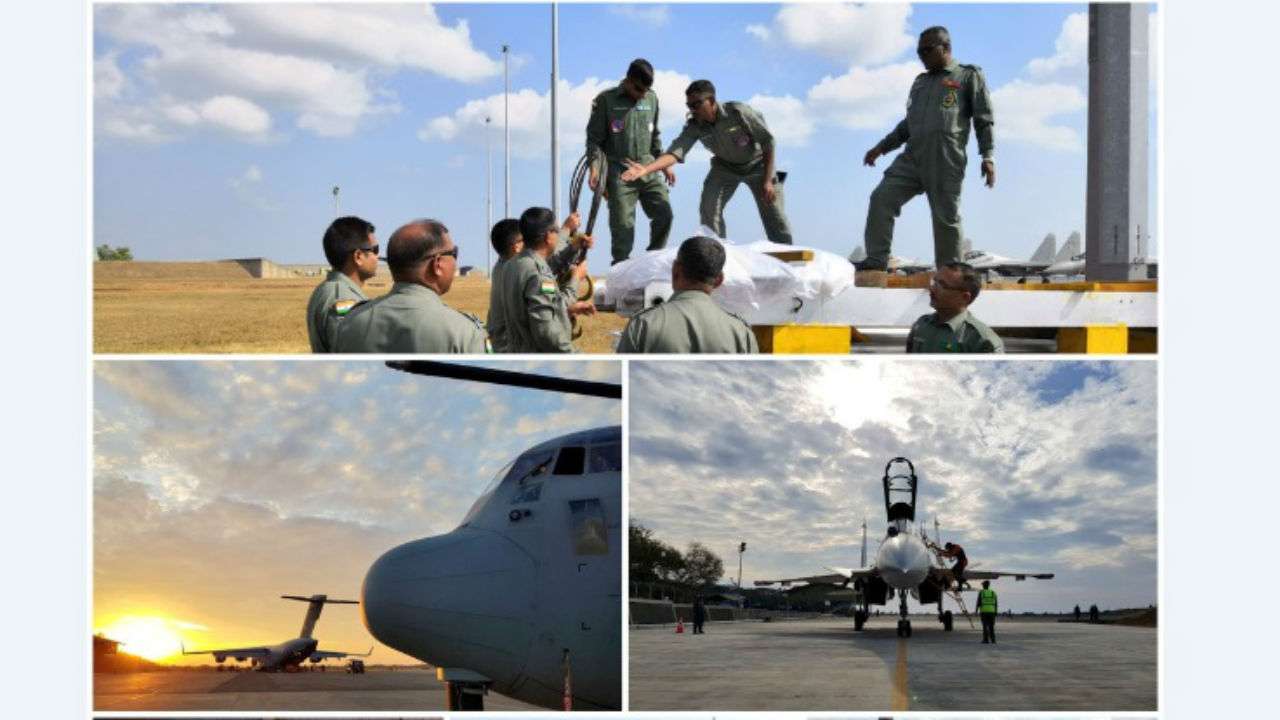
<point x="903" y="561"/>
<point x="465" y="599"/>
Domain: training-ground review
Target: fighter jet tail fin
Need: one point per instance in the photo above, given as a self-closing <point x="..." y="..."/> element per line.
<point x="1044" y="253"/>
<point x="1070" y="248"/>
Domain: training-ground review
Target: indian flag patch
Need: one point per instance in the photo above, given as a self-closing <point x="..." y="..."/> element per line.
<point x="548" y="287"/>
<point x="342" y="307"/>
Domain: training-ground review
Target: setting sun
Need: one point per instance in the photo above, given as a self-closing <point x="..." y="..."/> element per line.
<point x="153" y="638"/>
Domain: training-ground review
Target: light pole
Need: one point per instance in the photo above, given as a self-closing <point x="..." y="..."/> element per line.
<point x="742" y="548"/>
<point x="335" y="202"/>
<point x="488" y="191"/>
<point x="555" y="118"/>
<point x="506" y="127"/>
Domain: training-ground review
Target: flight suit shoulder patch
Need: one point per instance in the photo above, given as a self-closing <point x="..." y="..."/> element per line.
<point x="342" y="307"/>
<point x="547" y="286"/>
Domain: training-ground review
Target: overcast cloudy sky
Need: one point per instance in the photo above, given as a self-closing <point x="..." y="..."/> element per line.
<point x="220" y="130"/>
<point x="1035" y="466"/>
<point x="220" y="486"/>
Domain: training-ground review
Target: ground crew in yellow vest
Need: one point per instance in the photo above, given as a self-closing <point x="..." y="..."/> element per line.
<point x="537" y="309"/>
<point x="690" y="321"/>
<point x="988" y="608"/>
<point x="742" y="152"/>
<point x="942" y="103"/>
<point x="352" y="252"/>
<point x="624" y="126"/>
<point x="508" y="242"/>
<point x="412" y="318"/>
<point x="952" y="328"/>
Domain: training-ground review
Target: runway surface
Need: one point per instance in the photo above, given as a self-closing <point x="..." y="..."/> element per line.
<point x="378" y="689"/>
<point x="824" y="665"/>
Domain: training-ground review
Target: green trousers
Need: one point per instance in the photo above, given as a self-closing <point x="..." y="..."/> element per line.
<point x="904" y="180"/>
<point x="719" y="187"/>
<point x="651" y="191"/>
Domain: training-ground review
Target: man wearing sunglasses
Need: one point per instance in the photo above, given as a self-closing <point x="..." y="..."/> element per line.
<point x="742" y="152"/>
<point x="412" y="318"/>
<point x="352" y="252"/>
<point x="944" y="100"/>
<point x="537" y="309"/>
<point x="624" y="126"/>
<point x="952" y="328"/>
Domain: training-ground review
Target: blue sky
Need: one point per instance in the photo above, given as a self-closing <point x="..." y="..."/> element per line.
<point x="219" y="486"/>
<point x="219" y="130"/>
<point x="1032" y="466"/>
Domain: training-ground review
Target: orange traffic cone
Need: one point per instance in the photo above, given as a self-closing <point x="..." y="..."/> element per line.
<point x="679" y="626"/>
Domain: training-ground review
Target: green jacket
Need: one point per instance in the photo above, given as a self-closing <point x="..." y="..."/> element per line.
<point x="329" y="304"/>
<point x="737" y="139"/>
<point x="940" y="108"/>
<point x="689" y="322"/>
<point x="410" y="319"/>
<point x="624" y="129"/>
<point x="963" y="333"/>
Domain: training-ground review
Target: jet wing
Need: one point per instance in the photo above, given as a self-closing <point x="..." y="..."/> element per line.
<point x="334" y="654"/>
<point x="253" y="652"/>
<point x="839" y="576"/>
<point x="971" y="574"/>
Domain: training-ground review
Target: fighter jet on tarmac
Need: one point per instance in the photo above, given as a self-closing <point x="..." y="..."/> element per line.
<point x="525" y="596"/>
<point x="290" y="653"/>
<point x="1042" y="258"/>
<point x="904" y="563"/>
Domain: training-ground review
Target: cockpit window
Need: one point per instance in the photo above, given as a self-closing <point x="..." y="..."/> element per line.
<point x="488" y="492"/>
<point x="605" y="458"/>
<point x="590" y="532"/>
<point x="571" y="461"/>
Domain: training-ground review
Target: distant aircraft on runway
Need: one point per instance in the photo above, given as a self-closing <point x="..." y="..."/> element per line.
<point x="1044" y="257"/>
<point x="524" y="597"/>
<point x="904" y="563"/>
<point x="273" y="658"/>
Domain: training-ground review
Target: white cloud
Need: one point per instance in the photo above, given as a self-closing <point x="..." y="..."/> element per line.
<point x="248" y="187"/>
<point x="1070" y="49"/>
<point x="759" y="32"/>
<point x="108" y="78"/>
<point x="531" y="115"/>
<point x="864" y="98"/>
<point x="652" y="16"/>
<point x="855" y="34"/>
<point x="788" y="118"/>
<point x="318" y="64"/>
<point x="1025" y="113"/>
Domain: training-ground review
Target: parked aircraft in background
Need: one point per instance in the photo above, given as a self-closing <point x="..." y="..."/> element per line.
<point x="272" y="658"/>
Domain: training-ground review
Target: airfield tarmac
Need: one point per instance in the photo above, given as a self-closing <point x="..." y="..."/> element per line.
<point x="377" y="689"/>
<point x="823" y="665"/>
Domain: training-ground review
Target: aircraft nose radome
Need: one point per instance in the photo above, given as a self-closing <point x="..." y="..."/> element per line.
<point x="903" y="562"/>
<point x="464" y="599"/>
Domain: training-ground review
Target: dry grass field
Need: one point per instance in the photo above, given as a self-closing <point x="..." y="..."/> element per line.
<point x="216" y="307"/>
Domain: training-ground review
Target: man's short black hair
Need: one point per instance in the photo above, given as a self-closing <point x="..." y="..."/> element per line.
<point x="701" y="260"/>
<point x="412" y="244"/>
<point x="701" y="88"/>
<point x="345" y="236"/>
<point x="640" y="72"/>
<point x="504" y="235"/>
<point x="968" y="278"/>
<point x="986" y="583"/>
<point x="938" y="33"/>
<point x="535" y="223"/>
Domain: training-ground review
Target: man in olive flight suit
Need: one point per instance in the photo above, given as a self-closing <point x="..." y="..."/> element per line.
<point x="537" y="308"/>
<point x="943" y="101"/>
<point x="743" y="152"/>
<point x="624" y="126"/>
<point x="509" y="242"/>
<point x="952" y="328"/>
<point x="412" y="318"/>
<point x="690" y="321"/>
<point x="352" y="252"/>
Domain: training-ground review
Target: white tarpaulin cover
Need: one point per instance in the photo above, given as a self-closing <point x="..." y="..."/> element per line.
<point x="752" y="280"/>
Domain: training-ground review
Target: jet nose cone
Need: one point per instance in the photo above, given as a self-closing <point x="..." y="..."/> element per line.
<point x="465" y="599"/>
<point x="903" y="561"/>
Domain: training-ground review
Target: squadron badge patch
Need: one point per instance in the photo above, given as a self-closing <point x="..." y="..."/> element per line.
<point x="616" y="125"/>
<point x="949" y="100"/>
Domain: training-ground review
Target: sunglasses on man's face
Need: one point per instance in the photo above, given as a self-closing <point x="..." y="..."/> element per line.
<point x="926" y="49"/>
<point x="451" y="252"/>
<point x="370" y="249"/>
